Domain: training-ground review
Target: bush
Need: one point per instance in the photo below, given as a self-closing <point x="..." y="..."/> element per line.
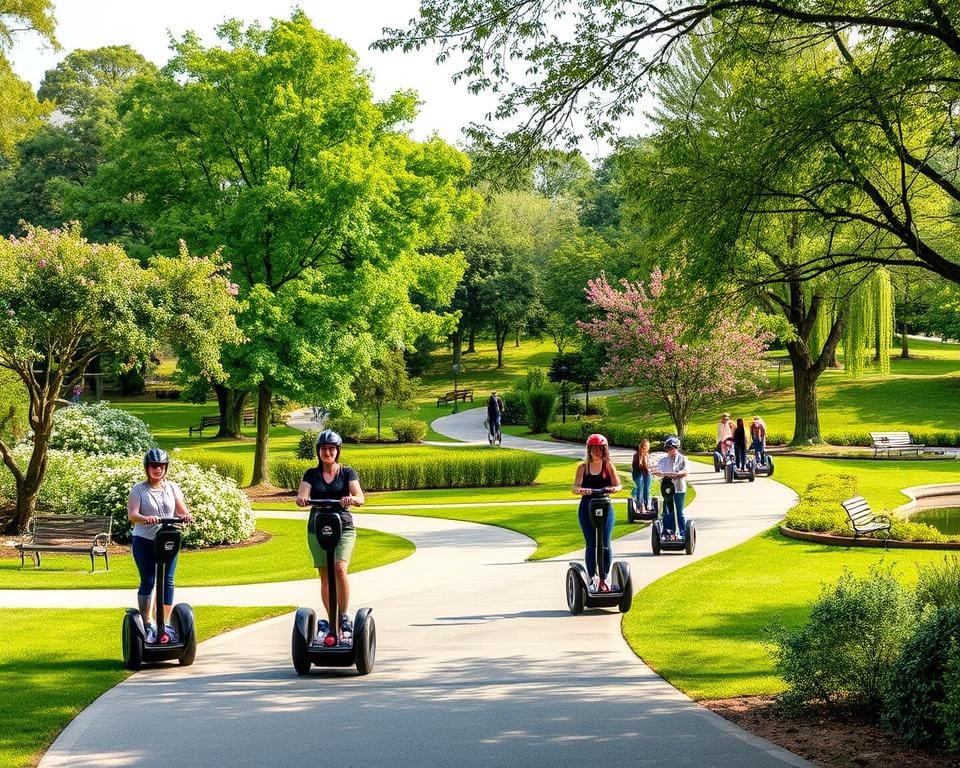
<point x="409" y="430"/>
<point x="514" y="407"/>
<point x="596" y="407"/>
<point x="307" y="446"/>
<point x="350" y="428"/>
<point x="938" y="586"/>
<point x="818" y="517"/>
<point x="98" y="429"/>
<point x="66" y="477"/>
<point x="916" y="696"/>
<point x="845" y="651"/>
<point x="235" y="469"/>
<point x="627" y="436"/>
<point x="950" y="708"/>
<point x="450" y="469"/>
<point x="540" y="404"/>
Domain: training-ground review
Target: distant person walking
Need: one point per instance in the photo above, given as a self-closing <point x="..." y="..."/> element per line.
<point x="494" y="414"/>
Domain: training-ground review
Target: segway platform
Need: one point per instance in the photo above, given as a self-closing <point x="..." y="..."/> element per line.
<point x="764" y="468"/>
<point x="637" y="514"/>
<point x="332" y="648"/>
<point x="664" y="536"/>
<point x="731" y="472"/>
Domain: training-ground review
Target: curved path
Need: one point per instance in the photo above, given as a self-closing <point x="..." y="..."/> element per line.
<point x="479" y="664"/>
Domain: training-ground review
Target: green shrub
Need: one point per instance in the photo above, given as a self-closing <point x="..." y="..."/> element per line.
<point x="540" y="403"/>
<point x="831" y="487"/>
<point x="67" y="475"/>
<point x="450" y="469"/>
<point x="844" y="653"/>
<point x="627" y="436"/>
<point x="818" y="517"/>
<point x="235" y="469"/>
<point x="950" y="708"/>
<point x="536" y="379"/>
<point x="904" y="530"/>
<point x="916" y="692"/>
<point x="96" y="428"/>
<point x="409" y="430"/>
<point x="575" y="406"/>
<point x="514" y="407"/>
<point x="350" y="428"/>
<point x="307" y="445"/>
<point x="938" y="586"/>
<point x="597" y="407"/>
<point x="847" y="438"/>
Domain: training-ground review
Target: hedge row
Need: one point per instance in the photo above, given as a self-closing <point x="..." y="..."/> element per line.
<point x="627" y="436"/>
<point x="450" y="469"/>
<point x="235" y="469"/>
<point x="819" y="511"/>
<point x="943" y="438"/>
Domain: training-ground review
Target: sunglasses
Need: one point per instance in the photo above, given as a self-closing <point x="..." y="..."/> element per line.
<point x="151" y="465"/>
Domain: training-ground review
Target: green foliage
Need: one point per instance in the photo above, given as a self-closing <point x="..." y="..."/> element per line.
<point x="916" y="693"/>
<point x="409" y="430"/>
<point x="938" y="585"/>
<point x="226" y="466"/>
<point x="950" y="708"/>
<point x="350" y="428"/>
<point x="514" y="407"/>
<point x="452" y="469"/>
<point x="307" y="445"/>
<point x="540" y="405"/>
<point x="597" y="407"/>
<point x="627" y="435"/>
<point x="98" y="428"/>
<point x="843" y="654"/>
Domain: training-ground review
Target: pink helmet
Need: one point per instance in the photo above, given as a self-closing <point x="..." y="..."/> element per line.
<point x="597" y="439"/>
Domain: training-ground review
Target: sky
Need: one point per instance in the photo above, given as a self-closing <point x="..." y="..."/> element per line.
<point x="145" y="25"/>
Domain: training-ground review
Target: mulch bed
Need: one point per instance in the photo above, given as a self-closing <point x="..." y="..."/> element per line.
<point x="826" y="738"/>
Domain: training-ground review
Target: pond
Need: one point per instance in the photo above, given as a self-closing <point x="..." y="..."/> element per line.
<point x="945" y="519"/>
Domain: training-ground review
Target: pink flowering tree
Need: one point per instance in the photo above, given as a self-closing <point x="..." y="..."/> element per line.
<point x="661" y="347"/>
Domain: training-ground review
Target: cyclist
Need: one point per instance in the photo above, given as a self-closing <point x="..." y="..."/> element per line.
<point x="494" y="414"/>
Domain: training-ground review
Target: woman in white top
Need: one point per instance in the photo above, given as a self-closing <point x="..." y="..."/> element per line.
<point x="150" y="501"/>
<point x="673" y="467"/>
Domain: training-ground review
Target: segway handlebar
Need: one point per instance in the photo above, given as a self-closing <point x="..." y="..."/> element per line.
<point x="324" y="503"/>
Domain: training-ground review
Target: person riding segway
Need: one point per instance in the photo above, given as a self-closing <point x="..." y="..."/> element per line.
<point x="157" y="630"/>
<point x="330" y="489"/>
<point x="672" y="531"/>
<point x="494" y="418"/>
<point x="640" y="506"/>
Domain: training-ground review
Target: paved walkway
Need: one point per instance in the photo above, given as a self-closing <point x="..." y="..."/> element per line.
<point x="479" y="663"/>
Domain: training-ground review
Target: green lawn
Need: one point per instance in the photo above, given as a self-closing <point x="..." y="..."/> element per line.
<point x="56" y="662"/>
<point x="283" y="558"/>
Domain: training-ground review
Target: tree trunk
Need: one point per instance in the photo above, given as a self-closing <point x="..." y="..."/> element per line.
<point x="379" y="406"/>
<point x="807" y="414"/>
<point x="230" y="404"/>
<point x="518" y="337"/>
<point x="472" y="341"/>
<point x="904" y="343"/>
<point x="456" y="342"/>
<point x="501" y="339"/>
<point x="261" y="461"/>
<point x="28" y="485"/>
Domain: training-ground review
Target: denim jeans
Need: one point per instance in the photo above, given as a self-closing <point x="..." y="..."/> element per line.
<point x="641" y="489"/>
<point x="758" y="451"/>
<point x="590" y="536"/>
<point x="145" y="558"/>
<point x="671" y="502"/>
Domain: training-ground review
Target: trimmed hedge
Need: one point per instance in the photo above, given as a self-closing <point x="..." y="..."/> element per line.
<point x="451" y="469"/>
<point x="235" y="469"/>
<point x="409" y="430"/>
<point x="942" y="438"/>
<point x="627" y="436"/>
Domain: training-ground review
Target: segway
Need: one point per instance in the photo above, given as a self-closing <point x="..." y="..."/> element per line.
<point x="732" y="472"/>
<point x="494" y="437"/>
<point x="579" y="595"/>
<point x="136" y="650"/>
<point x="331" y="647"/>
<point x="664" y="539"/>
<point x="639" y="514"/>
<point x="764" y="468"/>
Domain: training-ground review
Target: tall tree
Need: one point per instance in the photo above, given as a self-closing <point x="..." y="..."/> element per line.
<point x="270" y="146"/>
<point x="882" y="119"/>
<point x="386" y="381"/>
<point x="64" y="301"/>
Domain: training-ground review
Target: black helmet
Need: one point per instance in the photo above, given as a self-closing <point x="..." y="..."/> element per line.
<point x="155" y="456"/>
<point x="329" y="437"/>
<point x="672" y="442"/>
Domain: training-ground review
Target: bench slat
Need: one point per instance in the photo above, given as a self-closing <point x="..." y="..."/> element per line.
<point x="65" y="533"/>
<point x="862" y="518"/>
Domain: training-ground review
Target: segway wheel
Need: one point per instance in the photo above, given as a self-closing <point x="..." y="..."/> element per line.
<point x="183" y="621"/>
<point x="655" y="507"/>
<point x="632" y="510"/>
<point x="769" y="460"/>
<point x="655" y="538"/>
<point x="751" y="473"/>
<point x="132" y="643"/>
<point x="728" y="473"/>
<point x="365" y="641"/>
<point x="575" y="596"/>
<point x="716" y="464"/>
<point x="621" y="577"/>
<point x="300" y="644"/>
<point x="690" y="537"/>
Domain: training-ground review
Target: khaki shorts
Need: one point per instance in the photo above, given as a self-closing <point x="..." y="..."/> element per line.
<point x="344" y="550"/>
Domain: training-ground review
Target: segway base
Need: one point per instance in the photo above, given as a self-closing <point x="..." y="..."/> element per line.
<point x="611" y="599"/>
<point x="678" y="544"/>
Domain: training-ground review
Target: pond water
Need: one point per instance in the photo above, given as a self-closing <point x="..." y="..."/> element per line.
<point x="945" y="519"/>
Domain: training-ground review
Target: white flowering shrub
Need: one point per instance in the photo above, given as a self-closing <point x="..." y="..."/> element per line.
<point x="76" y="484"/>
<point x="96" y="428"/>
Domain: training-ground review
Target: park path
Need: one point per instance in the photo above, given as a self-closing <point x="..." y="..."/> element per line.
<point x="479" y="663"/>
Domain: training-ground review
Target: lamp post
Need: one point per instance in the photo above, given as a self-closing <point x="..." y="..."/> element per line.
<point x="563" y="391"/>
<point x="456" y="400"/>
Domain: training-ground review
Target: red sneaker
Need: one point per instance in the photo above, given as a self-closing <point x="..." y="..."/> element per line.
<point x="604" y="587"/>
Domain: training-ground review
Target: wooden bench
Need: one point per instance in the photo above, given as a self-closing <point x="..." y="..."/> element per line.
<point x="249" y="417"/>
<point x="67" y="533"/>
<point x="450" y="397"/>
<point x="894" y="441"/>
<point x="862" y="519"/>
<point x="168" y="394"/>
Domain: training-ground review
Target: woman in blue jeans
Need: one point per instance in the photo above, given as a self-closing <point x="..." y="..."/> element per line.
<point x="673" y="466"/>
<point x="596" y="473"/>
<point x="154" y="499"/>
<point x="642" y="475"/>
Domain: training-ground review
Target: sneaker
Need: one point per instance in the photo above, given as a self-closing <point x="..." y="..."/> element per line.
<point x="172" y="635"/>
<point x="151" y="633"/>
<point x="603" y="587"/>
<point x="594" y="583"/>
<point x="323" y="627"/>
<point x="345" y="624"/>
